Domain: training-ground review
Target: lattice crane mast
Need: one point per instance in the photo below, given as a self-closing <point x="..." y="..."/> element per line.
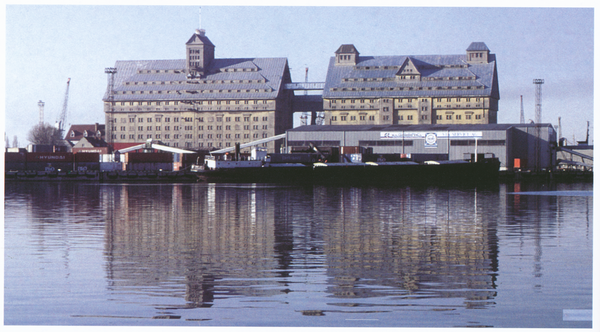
<point x="60" y="124"/>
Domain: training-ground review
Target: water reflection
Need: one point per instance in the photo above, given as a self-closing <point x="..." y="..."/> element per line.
<point x="223" y="241"/>
<point x="342" y="249"/>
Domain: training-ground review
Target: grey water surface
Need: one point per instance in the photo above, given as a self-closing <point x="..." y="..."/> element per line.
<point x="205" y="254"/>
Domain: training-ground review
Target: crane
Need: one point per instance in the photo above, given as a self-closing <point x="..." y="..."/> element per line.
<point x="63" y="115"/>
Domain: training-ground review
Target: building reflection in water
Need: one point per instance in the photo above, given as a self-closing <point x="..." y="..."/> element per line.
<point x="202" y="243"/>
<point x="410" y="244"/>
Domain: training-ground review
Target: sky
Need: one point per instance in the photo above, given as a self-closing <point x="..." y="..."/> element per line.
<point x="45" y="45"/>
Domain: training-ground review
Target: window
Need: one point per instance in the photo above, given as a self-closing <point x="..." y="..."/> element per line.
<point x="343" y="118"/>
<point x="386" y="109"/>
<point x="131" y="119"/>
<point x="363" y="117"/>
<point x="157" y="128"/>
<point x="149" y="119"/>
<point x="478" y="117"/>
<point x="387" y="117"/>
<point x="255" y="119"/>
<point x="140" y="119"/>
<point x="448" y="117"/>
<point x="371" y="117"/>
<point x="409" y="117"/>
<point x="458" y="117"/>
<point x="468" y="116"/>
<point x="334" y="118"/>
<point x="353" y="118"/>
<point x="141" y="128"/>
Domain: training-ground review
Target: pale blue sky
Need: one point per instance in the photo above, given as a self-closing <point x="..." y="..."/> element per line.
<point x="46" y="45"/>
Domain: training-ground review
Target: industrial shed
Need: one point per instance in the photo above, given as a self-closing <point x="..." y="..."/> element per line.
<point x="522" y="146"/>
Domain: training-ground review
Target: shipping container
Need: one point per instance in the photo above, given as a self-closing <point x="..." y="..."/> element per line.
<point x="50" y="157"/>
<point x="148" y="166"/>
<point x="86" y="157"/>
<point x="304" y="158"/>
<point x="14" y="157"/>
<point x="149" y="157"/>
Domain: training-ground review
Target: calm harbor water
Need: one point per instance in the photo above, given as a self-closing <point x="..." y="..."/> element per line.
<point x="271" y="255"/>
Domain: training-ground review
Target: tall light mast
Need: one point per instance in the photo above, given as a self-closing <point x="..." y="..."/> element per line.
<point x="538" y="121"/>
<point x="110" y="101"/>
<point x="41" y="106"/>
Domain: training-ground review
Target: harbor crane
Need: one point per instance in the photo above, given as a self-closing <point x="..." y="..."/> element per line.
<point x="60" y="123"/>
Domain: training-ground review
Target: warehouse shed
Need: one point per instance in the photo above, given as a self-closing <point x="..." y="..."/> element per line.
<point x="517" y="146"/>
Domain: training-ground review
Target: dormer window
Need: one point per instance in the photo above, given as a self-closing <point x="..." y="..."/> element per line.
<point x="72" y="134"/>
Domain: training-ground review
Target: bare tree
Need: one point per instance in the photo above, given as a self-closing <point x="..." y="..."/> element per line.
<point x="15" y="143"/>
<point x="44" y="133"/>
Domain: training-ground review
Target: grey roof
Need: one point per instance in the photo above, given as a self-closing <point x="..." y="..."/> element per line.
<point x="155" y="80"/>
<point x="420" y="127"/>
<point x="202" y="38"/>
<point x="347" y="48"/>
<point x="478" y="46"/>
<point x="441" y="75"/>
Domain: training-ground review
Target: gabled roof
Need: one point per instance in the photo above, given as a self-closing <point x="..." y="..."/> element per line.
<point x="87" y="142"/>
<point x="408" y="68"/>
<point x="77" y="132"/>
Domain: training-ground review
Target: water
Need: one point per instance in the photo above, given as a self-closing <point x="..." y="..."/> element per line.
<point x="270" y="255"/>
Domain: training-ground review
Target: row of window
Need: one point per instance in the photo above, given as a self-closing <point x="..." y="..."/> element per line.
<point x="200" y="102"/>
<point x="420" y="88"/>
<point x="200" y="119"/>
<point x="189" y="128"/>
<point x="334" y="118"/>
<point x="187" y="136"/>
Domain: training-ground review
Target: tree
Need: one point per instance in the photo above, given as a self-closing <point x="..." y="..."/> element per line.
<point x="15" y="143"/>
<point x="45" y="134"/>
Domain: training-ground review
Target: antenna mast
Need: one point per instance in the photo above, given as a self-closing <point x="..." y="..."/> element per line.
<point x="522" y="112"/>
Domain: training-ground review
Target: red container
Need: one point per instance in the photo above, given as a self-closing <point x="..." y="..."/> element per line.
<point x="87" y="157"/>
<point x="50" y="157"/>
